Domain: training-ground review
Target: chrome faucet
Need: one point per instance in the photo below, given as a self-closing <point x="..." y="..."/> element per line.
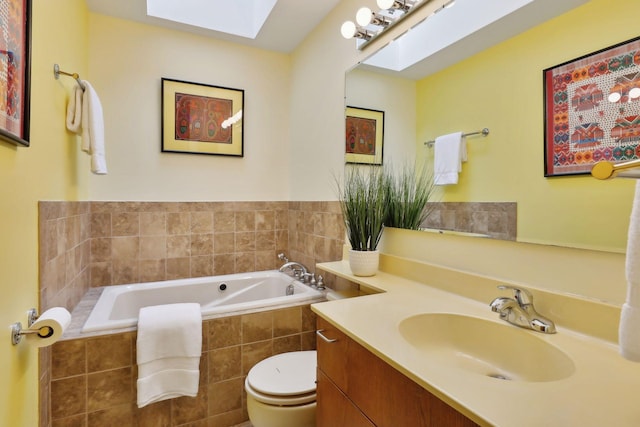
<point x="519" y="311"/>
<point x="300" y="272"/>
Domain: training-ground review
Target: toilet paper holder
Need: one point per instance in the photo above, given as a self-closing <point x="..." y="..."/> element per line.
<point x="17" y="331"/>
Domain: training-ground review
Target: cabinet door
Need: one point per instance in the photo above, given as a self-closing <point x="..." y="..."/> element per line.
<point x="390" y="399"/>
<point x="332" y="356"/>
<point x="335" y="409"/>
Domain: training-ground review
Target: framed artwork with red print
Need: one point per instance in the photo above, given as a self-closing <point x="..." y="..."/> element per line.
<point x="592" y="110"/>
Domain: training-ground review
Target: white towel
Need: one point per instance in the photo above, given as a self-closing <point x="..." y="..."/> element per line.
<point x="93" y="129"/>
<point x="74" y="111"/>
<point x="168" y="348"/>
<point x="449" y="153"/>
<point x="629" y="330"/>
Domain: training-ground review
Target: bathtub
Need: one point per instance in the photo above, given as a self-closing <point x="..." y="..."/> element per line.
<point x="118" y="306"/>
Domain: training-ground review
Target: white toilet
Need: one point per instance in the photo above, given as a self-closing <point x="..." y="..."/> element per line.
<point x="281" y="390"/>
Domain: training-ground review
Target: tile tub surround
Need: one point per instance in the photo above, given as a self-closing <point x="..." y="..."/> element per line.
<point x="77" y="249"/>
<point x="93" y="380"/>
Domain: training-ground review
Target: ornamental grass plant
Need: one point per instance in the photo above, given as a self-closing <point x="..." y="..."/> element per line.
<point x="363" y="201"/>
<point x="408" y="191"/>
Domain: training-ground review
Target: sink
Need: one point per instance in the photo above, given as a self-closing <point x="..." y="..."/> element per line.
<point x="485" y="347"/>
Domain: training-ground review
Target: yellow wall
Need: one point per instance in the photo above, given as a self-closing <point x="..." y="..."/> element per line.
<point x="50" y="169"/>
<point x="501" y="88"/>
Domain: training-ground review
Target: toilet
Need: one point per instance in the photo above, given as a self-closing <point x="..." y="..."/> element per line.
<point x="281" y="390"/>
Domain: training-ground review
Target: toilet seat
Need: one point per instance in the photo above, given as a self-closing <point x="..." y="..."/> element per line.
<point x="285" y="379"/>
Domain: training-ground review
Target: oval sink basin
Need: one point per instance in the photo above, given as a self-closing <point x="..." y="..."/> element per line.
<point x="486" y="348"/>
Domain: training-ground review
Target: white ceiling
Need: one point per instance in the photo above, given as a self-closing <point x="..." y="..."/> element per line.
<point x="286" y="26"/>
<point x="470" y="26"/>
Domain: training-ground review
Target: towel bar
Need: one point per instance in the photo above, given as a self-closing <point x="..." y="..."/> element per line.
<point x="57" y="71"/>
<point x="484" y="132"/>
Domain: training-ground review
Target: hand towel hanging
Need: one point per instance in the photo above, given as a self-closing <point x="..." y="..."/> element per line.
<point x="450" y="151"/>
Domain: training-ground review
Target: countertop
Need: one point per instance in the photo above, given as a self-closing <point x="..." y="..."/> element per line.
<point x="603" y="390"/>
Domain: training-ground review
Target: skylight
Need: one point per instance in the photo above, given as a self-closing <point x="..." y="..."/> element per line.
<point x="242" y="18"/>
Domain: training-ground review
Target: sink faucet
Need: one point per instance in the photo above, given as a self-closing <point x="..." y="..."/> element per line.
<point x="519" y="311"/>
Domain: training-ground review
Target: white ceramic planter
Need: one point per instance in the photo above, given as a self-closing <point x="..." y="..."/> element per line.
<point x="364" y="263"/>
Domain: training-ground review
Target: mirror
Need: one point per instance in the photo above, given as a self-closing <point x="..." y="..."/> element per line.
<point x="500" y="87"/>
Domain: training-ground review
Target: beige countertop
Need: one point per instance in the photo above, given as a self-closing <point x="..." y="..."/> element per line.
<point x="602" y="391"/>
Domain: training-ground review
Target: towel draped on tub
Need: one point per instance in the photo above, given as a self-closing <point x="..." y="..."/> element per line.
<point x="169" y="346"/>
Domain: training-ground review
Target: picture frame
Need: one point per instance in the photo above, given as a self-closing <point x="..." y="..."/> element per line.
<point x="364" y="136"/>
<point x="592" y="110"/>
<point x="15" y="73"/>
<point x="200" y="118"/>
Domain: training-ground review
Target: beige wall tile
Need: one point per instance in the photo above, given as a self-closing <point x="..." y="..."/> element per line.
<point x="152" y="270"/>
<point x="178" y="223"/>
<point x="257" y="326"/>
<point x="202" y="266"/>
<point x="287" y="321"/>
<point x="155" y="415"/>
<point x="254" y="353"/>
<point x="201" y="244"/>
<point x="125" y="248"/>
<point x="225" y="396"/>
<point x="153" y="223"/>
<point x="201" y="222"/>
<point x="224" y="364"/>
<point x="178" y="246"/>
<point x="120" y="415"/>
<point x="178" y="268"/>
<point x="224" y="243"/>
<point x="68" y="396"/>
<point x="245" y="221"/>
<point x="224" y="222"/>
<point x="109" y="388"/>
<point x="125" y="224"/>
<point x="153" y="247"/>
<point x="109" y="352"/>
<point x="225" y="332"/>
<point x="68" y="358"/>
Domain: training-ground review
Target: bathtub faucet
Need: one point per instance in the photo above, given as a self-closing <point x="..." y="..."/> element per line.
<point x="300" y="272"/>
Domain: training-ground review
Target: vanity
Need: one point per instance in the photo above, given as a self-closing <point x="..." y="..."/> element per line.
<point x="432" y="353"/>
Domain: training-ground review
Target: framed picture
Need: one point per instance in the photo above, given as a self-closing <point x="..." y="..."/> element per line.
<point x="364" y="136"/>
<point x="15" y="71"/>
<point x="592" y="110"/>
<point x="202" y="119"/>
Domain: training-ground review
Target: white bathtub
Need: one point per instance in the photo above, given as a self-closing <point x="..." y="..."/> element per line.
<point x="118" y="306"/>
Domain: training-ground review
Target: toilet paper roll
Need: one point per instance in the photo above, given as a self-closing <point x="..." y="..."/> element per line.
<point x="50" y="326"/>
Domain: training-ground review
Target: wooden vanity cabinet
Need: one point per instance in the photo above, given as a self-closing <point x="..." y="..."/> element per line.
<point x="358" y="389"/>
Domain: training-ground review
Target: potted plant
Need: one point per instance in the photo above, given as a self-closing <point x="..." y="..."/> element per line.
<point x="363" y="201"/>
<point x="408" y="192"/>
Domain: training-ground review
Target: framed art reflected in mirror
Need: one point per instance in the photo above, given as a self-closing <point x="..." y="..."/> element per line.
<point x="364" y="136"/>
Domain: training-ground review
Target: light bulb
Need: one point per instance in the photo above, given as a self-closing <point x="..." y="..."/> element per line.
<point x="348" y="29"/>
<point x="364" y="16"/>
<point x="385" y="4"/>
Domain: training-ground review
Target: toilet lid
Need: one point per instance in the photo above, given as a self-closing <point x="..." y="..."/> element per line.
<point x="285" y="374"/>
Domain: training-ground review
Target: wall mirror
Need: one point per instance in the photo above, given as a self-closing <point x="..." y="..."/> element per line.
<point x="507" y="166"/>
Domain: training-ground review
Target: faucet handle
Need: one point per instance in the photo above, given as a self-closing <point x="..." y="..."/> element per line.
<point x="521" y="295"/>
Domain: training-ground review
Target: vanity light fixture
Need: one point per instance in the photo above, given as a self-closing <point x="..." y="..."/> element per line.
<point x="366" y="16"/>
<point x="402" y="5"/>
<point x="349" y="30"/>
<point x="372" y="24"/>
